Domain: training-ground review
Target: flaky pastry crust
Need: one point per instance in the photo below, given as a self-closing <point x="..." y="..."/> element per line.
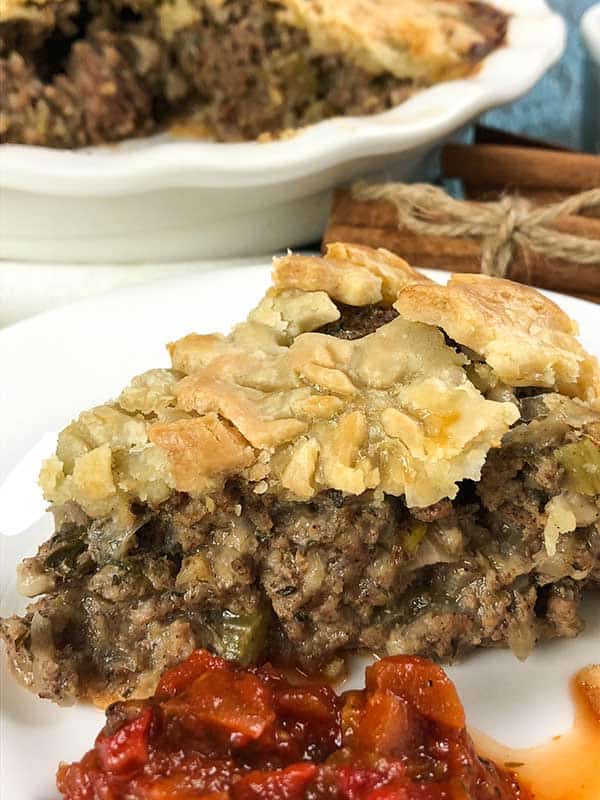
<point x="296" y="412"/>
<point x="525" y="337"/>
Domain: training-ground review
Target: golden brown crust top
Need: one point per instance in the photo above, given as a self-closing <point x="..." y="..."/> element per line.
<point x="351" y="274"/>
<point x="296" y="412"/>
<point x="393" y="410"/>
<point x="421" y="40"/>
<point x="525" y="337"/>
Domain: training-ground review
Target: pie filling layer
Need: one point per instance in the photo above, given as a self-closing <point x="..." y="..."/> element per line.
<point x="84" y="72"/>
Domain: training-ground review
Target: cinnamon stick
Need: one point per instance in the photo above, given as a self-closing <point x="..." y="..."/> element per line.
<point x="591" y="298"/>
<point x="375" y="224"/>
<point x="487" y="135"/>
<point x="521" y="168"/>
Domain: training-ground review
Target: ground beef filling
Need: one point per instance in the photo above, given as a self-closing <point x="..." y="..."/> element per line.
<point x="259" y="577"/>
<point x="307" y="581"/>
<point x="355" y="322"/>
<point x="109" y="71"/>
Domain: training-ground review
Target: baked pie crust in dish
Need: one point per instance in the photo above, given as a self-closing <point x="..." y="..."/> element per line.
<point x="371" y="461"/>
<point x="83" y="72"/>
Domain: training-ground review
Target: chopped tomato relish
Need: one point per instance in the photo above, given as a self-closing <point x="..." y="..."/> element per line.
<point x="214" y="731"/>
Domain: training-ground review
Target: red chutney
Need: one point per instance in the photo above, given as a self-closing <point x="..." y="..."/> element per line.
<point x="217" y="732"/>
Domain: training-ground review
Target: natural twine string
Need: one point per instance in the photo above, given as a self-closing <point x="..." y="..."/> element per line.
<point x="503" y="226"/>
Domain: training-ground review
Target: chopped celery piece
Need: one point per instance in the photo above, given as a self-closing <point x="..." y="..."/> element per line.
<point x="242" y="638"/>
<point x="582" y="463"/>
<point x="413" y="537"/>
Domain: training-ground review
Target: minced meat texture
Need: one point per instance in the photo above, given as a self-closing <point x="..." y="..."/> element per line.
<point x="355" y="322"/>
<point x="106" y="93"/>
<point x="112" y="75"/>
<point x="256" y="576"/>
<point x="107" y="71"/>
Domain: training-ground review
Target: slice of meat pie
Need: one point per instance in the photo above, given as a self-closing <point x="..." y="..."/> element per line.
<point x="370" y="461"/>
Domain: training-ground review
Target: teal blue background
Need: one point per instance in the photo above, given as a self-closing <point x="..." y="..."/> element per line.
<point x="554" y="110"/>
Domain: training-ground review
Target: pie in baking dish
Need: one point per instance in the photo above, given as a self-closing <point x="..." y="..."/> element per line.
<point x="370" y="461"/>
<point x="81" y="72"/>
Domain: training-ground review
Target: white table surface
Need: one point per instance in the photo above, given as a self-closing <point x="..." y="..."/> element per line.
<point x="26" y="289"/>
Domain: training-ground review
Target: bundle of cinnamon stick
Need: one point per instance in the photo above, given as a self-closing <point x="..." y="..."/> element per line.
<point x="490" y="172"/>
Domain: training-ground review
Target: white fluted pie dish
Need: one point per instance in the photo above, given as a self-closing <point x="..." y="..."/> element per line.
<point x="164" y="199"/>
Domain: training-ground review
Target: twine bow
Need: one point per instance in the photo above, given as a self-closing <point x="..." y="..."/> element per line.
<point x="503" y="226"/>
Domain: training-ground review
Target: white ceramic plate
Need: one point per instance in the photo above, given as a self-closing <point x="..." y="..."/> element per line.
<point x="162" y="199"/>
<point x="57" y="363"/>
